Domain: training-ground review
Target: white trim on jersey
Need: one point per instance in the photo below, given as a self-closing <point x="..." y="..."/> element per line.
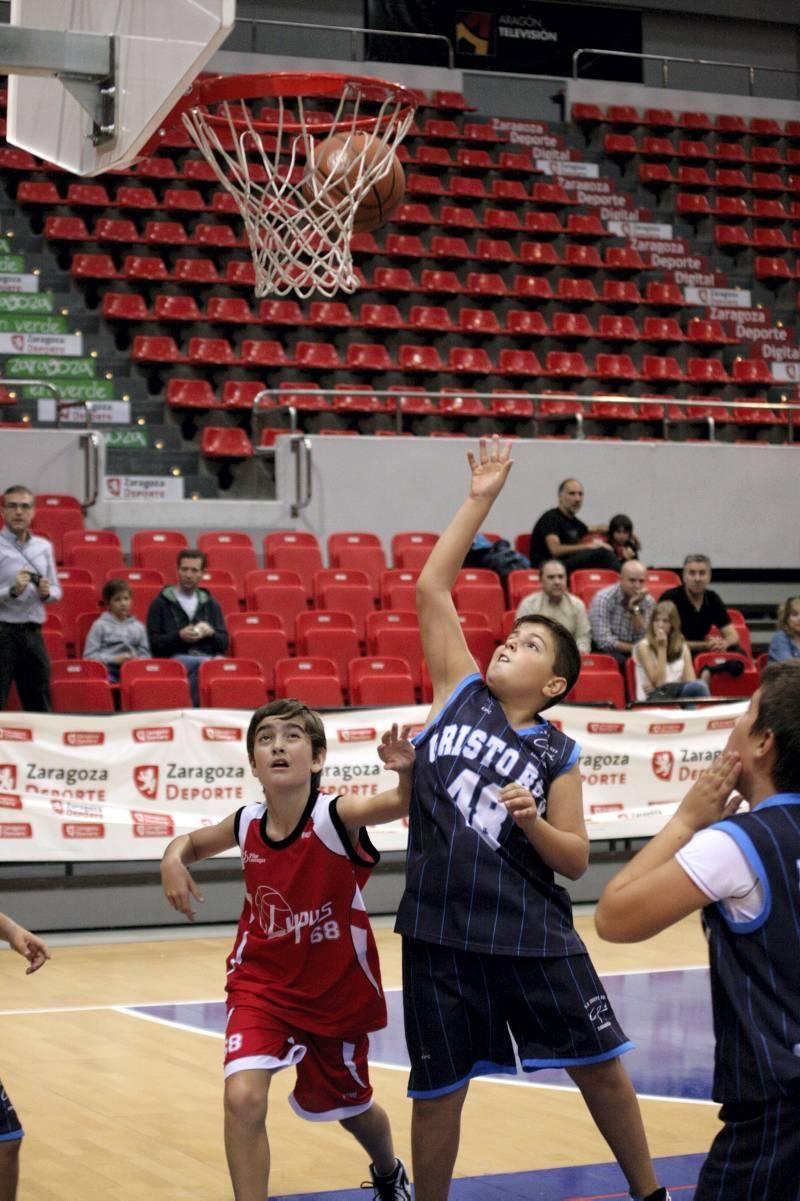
<point x="348" y="1051"/>
<point x="360" y="937"/>
<point x="330" y="1115"/>
<point x="717" y="865"/>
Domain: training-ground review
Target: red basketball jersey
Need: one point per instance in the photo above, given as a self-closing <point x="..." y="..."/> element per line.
<point x="304" y="946"/>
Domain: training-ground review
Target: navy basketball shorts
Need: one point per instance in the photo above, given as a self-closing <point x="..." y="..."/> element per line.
<point x="9" y="1122"/>
<point x="462" y="1009"/>
<point x="756" y="1154"/>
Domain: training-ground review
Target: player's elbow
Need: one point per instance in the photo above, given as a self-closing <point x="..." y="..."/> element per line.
<point x="610" y="925"/>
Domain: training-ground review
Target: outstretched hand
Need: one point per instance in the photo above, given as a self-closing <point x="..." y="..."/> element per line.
<point x="490" y="469"/>
<point x="30" y="946"/>
<point x="711" y="798"/>
<point x="396" y="753"/>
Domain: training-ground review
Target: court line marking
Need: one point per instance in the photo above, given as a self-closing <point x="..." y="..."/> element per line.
<point x="699" y="967"/>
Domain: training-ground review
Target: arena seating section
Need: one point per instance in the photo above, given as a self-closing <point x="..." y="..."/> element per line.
<point x="488" y="279"/>
<point x="345" y="633"/>
<point x="489" y="283"/>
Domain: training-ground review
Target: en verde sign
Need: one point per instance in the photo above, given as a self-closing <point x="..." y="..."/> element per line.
<point x="96" y="389"/>
<point x="35" y="324"/>
<point x="12" y="263"/>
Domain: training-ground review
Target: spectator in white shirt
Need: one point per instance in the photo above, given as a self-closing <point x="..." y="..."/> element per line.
<point x="28" y="580"/>
<point x="556" y="602"/>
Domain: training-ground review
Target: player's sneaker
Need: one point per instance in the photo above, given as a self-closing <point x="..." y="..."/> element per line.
<point x="395" y="1187"/>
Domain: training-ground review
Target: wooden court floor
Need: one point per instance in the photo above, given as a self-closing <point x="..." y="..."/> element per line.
<point x="120" y="1109"/>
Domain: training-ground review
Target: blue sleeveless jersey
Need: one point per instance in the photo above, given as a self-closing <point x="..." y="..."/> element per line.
<point x="755" y="965"/>
<point x="473" y="880"/>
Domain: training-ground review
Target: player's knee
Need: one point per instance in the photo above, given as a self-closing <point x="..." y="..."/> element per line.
<point x="594" y="1077"/>
<point x="448" y="1104"/>
<point x="246" y="1096"/>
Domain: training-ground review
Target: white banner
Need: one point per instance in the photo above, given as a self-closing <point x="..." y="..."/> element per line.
<point x="58" y="344"/>
<point x="119" y="788"/>
<point x="558" y="165"/>
<point x="786" y="373"/>
<point x="13" y="281"/>
<point x="642" y="229"/>
<point x="102" y="412"/>
<point x="142" y="487"/>
<point x="732" y="298"/>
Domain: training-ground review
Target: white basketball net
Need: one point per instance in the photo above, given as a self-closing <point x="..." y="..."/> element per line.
<point x="298" y="219"/>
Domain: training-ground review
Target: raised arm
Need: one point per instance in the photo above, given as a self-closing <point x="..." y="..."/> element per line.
<point x="396" y="754"/>
<point x="176" y="879"/>
<point x="446" y="652"/>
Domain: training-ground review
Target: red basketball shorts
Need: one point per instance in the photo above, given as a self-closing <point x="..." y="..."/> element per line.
<point x="332" y="1073"/>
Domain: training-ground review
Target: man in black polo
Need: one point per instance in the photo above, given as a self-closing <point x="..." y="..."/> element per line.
<point x="558" y="533"/>
<point x="27" y="581"/>
<point x="700" y="609"/>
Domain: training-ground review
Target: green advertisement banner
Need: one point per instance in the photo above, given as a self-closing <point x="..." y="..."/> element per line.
<point x="42" y="367"/>
<point x="26" y="302"/>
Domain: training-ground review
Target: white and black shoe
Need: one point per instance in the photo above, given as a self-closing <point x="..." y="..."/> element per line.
<point x="394" y="1187"/>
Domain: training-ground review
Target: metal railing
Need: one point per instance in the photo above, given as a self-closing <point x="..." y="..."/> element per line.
<point x="268" y="400"/>
<point x="356" y="53"/>
<point x="667" y="59"/>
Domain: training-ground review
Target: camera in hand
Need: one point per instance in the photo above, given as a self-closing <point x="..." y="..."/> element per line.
<point x="35" y="577"/>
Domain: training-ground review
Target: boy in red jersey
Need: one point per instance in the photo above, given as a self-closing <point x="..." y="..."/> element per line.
<point x="35" y="951"/>
<point x="304" y="982"/>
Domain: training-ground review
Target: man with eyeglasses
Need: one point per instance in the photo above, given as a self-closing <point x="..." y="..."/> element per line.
<point x="28" y="581"/>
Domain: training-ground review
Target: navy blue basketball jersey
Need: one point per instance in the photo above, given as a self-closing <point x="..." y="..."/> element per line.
<point x="755" y="965"/>
<point x="473" y="880"/>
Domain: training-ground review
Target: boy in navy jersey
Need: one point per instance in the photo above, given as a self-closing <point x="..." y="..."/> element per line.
<point x="304" y="986"/>
<point x="489" y="949"/>
<point x="31" y="947"/>
<point x="741" y="870"/>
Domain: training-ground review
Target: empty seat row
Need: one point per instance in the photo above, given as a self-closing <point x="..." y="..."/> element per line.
<point x="628" y="117"/>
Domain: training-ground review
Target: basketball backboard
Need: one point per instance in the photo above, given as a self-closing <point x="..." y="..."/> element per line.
<point x="159" y="46"/>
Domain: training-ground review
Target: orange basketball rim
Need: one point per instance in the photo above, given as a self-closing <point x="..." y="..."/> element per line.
<point x="301" y="154"/>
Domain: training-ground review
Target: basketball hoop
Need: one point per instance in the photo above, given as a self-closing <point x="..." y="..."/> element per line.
<point x="298" y="208"/>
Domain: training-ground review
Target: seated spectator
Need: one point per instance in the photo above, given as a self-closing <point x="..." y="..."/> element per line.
<point x="184" y="622"/>
<point x="116" y="636"/>
<point x="700" y="609"/>
<point x="785" y="642"/>
<point x="619" y="614"/>
<point x="555" y="602"/>
<point x="622" y="539"/>
<point x="664" y="667"/>
<point x="558" y="533"/>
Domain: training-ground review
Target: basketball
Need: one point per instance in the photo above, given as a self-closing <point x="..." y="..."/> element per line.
<point x="338" y="162"/>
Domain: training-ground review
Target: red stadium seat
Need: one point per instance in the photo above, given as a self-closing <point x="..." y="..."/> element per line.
<point x="329" y="634"/>
<point x="80" y="686"/>
<point x="375" y="680"/>
<point x="314" y="681"/>
<point x="154" y="684"/>
<point x="604" y="688"/>
<point x="361" y="551"/>
<point x="282" y="593"/>
<point x="235" y="683"/>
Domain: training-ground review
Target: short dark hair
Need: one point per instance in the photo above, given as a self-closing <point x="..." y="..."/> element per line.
<point x="564" y="483"/>
<point x="18" y="488"/>
<point x="779" y="711"/>
<point x="567" y="657"/>
<point x="286" y="710"/>
<point x="697" y="559"/>
<point x="113" y="588"/>
<point x="187" y="552"/>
